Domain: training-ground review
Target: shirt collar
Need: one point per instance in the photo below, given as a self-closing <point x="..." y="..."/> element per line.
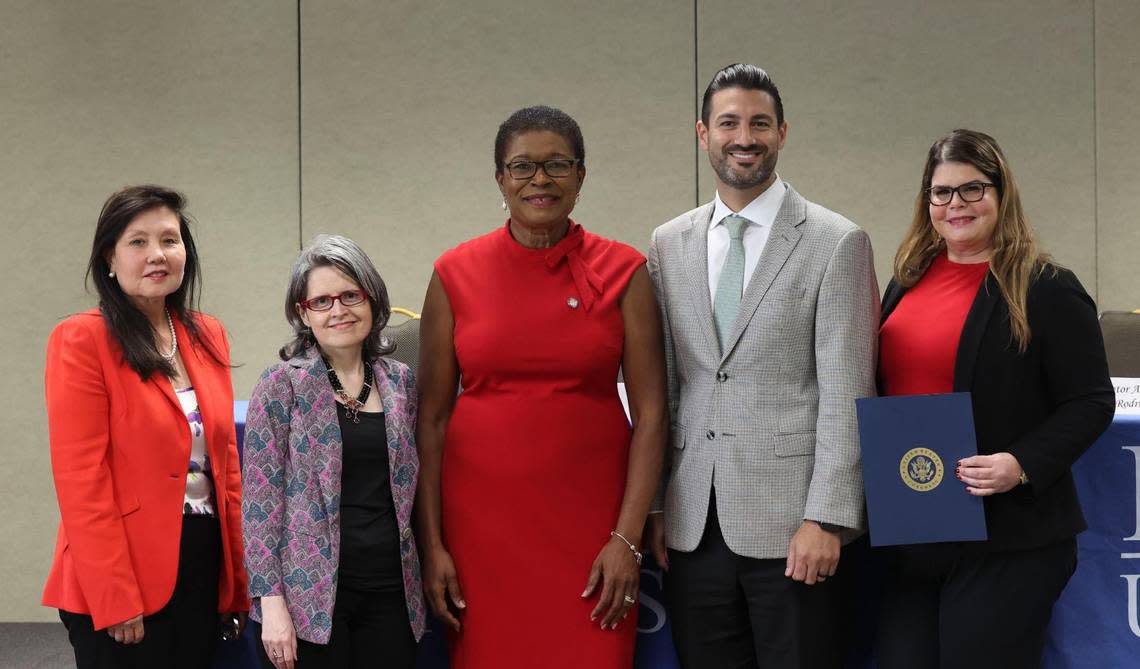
<point x="761" y="211"/>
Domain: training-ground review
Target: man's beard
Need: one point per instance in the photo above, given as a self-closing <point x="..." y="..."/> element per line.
<point x="744" y="181"/>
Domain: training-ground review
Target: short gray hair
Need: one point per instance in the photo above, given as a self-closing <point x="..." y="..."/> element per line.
<point x="344" y="255"/>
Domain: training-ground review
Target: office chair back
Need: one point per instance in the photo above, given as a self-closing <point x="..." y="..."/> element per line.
<point x="1121" y="331"/>
<point x="403" y="329"/>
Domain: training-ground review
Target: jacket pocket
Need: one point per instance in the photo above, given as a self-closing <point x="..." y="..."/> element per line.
<point x="127" y="502"/>
<point x="677" y="437"/>
<point x="800" y="443"/>
<point x="305" y="547"/>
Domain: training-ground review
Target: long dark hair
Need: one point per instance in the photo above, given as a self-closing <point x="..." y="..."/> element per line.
<point x="126" y="322"/>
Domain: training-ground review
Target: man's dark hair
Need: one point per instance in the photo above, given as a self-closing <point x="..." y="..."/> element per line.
<point x="539" y="117"/>
<point x="748" y="77"/>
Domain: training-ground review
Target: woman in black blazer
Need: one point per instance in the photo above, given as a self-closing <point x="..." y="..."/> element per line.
<point x="975" y="307"/>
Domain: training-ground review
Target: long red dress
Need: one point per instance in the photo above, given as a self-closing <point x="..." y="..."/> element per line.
<point x="535" y="454"/>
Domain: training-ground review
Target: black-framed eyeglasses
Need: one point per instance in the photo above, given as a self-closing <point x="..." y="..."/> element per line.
<point x="940" y="196"/>
<point x="349" y="298"/>
<point x="554" y="168"/>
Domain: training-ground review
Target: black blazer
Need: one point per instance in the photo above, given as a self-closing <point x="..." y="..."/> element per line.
<point x="1045" y="406"/>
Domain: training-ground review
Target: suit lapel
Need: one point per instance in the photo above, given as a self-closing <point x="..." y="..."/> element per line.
<point x="891" y="298"/>
<point x="165" y="385"/>
<point x="695" y="247"/>
<point x="971" y="340"/>
<point x="383" y="385"/>
<point x="781" y="242"/>
<point x="201" y="380"/>
<point x="321" y="425"/>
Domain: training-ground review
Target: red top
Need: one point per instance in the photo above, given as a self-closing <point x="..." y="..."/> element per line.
<point x="919" y="342"/>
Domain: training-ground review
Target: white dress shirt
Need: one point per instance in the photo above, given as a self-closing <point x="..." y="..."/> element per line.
<point x="761" y="213"/>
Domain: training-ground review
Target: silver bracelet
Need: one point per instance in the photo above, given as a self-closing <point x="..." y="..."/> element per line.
<point x="636" y="553"/>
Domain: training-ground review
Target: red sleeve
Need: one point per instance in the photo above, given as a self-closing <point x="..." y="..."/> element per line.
<point x="78" y="413"/>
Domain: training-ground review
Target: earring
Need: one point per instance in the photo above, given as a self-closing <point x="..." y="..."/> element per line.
<point x="504" y="204"/>
<point x="577" y="197"/>
<point x="111" y="274"/>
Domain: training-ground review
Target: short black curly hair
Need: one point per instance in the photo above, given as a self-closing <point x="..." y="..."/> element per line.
<point x="539" y="117"/>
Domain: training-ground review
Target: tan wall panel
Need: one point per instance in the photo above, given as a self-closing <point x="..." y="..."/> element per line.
<point x="869" y="85"/>
<point x="1118" y="152"/>
<point x="402" y="100"/>
<point x="93" y="96"/>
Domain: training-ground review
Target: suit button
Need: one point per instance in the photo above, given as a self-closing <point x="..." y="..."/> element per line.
<point x="406" y="534"/>
<point x="710" y="435"/>
<point x="721" y="376"/>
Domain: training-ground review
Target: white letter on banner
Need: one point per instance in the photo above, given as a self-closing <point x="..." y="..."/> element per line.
<point x="1133" y="623"/>
<point x="1135" y="535"/>
<point x="654" y="605"/>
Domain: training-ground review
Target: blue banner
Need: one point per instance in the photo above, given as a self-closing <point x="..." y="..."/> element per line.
<point x="1095" y="622"/>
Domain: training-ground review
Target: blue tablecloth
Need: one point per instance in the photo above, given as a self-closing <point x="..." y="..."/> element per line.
<point x="1095" y="624"/>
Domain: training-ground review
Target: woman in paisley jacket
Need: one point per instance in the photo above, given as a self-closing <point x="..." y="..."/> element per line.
<point x="330" y="475"/>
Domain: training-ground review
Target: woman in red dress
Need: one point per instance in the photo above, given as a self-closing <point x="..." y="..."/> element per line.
<point x="534" y="488"/>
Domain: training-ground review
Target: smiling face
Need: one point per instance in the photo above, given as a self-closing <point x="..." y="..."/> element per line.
<point x="149" y="258"/>
<point x="967" y="227"/>
<point x="743" y="140"/>
<point x="340" y="328"/>
<point x="541" y="202"/>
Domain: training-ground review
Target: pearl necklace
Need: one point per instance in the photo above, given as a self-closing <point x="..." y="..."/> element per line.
<point x="169" y="357"/>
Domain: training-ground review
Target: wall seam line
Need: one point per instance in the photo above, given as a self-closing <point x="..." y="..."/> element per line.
<point x="300" y="144"/>
<point x="696" y="108"/>
<point x="1096" y="165"/>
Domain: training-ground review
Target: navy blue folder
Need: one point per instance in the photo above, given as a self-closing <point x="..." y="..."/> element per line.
<point x="911" y="446"/>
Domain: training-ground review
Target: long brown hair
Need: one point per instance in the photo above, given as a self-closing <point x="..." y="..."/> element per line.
<point x="1016" y="261"/>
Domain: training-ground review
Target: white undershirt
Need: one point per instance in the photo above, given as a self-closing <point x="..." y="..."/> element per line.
<point x="199" y="498"/>
<point x="761" y="213"/>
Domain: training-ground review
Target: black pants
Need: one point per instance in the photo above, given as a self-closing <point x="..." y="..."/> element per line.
<point x="957" y="606"/>
<point x="370" y="630"/>
<point x="182" y="634"/>
<point x="735" y="612"/>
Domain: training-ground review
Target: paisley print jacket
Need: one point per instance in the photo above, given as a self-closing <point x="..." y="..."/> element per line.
<point x="291" y="488"/>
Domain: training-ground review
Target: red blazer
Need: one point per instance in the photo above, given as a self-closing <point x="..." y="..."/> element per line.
<point x="120" y="448"/>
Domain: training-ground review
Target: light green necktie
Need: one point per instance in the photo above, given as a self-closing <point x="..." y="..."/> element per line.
<point x="730" y="288"/>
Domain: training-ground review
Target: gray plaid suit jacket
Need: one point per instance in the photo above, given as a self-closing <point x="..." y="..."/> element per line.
<point x="772" y="419"/>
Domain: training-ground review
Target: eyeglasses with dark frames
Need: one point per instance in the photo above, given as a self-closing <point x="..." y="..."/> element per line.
<point x="349" y="298"/>
<point x="554" y="168"/>
<point x="974" y="191"/>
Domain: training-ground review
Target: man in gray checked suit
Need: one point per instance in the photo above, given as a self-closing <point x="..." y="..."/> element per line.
<point x="770" y="310"/>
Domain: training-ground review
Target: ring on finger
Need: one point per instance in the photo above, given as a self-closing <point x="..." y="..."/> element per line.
<point x="630" y="600"/>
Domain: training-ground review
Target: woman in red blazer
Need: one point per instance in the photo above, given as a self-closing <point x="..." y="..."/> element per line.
<point x="143" y="450"/>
